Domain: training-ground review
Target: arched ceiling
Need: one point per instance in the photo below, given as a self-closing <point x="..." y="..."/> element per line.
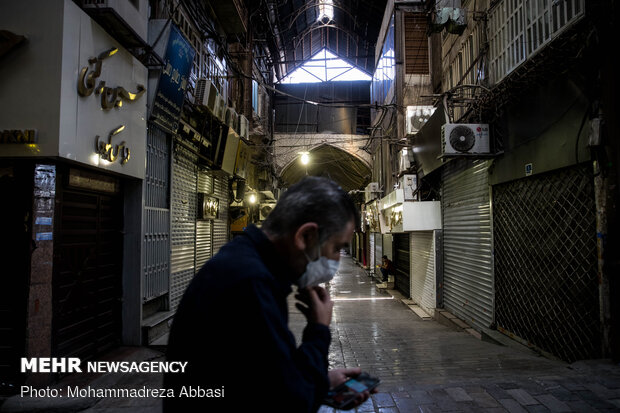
<point x="351" y="34"/>
<point x="331" y="162"/>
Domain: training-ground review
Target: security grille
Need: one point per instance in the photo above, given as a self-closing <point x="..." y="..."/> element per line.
<point x="520" y="28"/>
<point x="183" y="239"/>
<point x="156" y="242"/>
<point x="402" y="264"/>
<point x="545" y="256"/>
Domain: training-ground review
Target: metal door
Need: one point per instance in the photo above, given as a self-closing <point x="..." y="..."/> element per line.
<point x="468" y="259"/>
<point x="156" y="248"/>
<point x="402" y="263"/>
<point x="87" y="273"/>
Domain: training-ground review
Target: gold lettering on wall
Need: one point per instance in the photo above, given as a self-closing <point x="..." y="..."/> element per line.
<point x="111" y="97"/>
<point x="112" y="153"/>
<point x="28" y="136"/>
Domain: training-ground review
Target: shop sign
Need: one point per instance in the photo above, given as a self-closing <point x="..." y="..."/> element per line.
<point x="18" y="136"/>
<point x="172" y="85"/>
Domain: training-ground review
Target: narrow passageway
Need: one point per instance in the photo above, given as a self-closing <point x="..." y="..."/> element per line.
<point x="427" y="367"/>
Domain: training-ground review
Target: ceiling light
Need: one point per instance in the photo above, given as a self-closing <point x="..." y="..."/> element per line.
<point x="305" y="158"/>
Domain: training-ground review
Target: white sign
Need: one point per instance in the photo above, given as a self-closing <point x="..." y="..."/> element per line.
<point x="74" y="84"/>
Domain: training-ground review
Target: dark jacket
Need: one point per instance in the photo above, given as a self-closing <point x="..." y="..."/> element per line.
<point x="232" y="328"/>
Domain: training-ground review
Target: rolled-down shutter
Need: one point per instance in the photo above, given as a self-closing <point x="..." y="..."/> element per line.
<point x="182" y="261"/>
<point x="423" y="285"/>
<point x="468" y="261"/>
<point x="220" y="224"/>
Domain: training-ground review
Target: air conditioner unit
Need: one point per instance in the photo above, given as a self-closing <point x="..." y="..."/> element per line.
<point x="405" y="159"/>
<point x="371" y="192"/>
<point x="232" y="119"/>
<point x="465" y="138"/>
<point x="244" y="127"/>
<point x="409" y="184"/>
<point x="220" y="108"/>
<point x="206" y="94"/>
<point x="127" y="21"/>
<point x="265" y="209"/>
<point x="230" y="152"/>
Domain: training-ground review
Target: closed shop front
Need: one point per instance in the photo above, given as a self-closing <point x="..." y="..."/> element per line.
<point x="183" y="225"/>
<point x="156" y="248"/>
<point x="87" y="286"/>
<point x="423" y="270"/>
<point x="220" y="224"/>
<point x="371" y="251"/>
<point x="402" y="263"/>
<point x="378" y="254"/>
<point x="467" y="250"/>
<point x="204" y="227"/>
<point x="196" y="237"/>
<point x="546" y="262"/>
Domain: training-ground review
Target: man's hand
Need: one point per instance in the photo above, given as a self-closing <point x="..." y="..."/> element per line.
<point x="315" y="304"/>
<point x="339" y="376"/>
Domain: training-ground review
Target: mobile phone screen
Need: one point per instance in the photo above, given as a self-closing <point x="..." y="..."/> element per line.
<point x="356" y="385"/>
<point x="343" y="395"/>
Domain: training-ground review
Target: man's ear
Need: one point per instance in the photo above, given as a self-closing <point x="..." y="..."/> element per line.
<point x="306" y="235"/>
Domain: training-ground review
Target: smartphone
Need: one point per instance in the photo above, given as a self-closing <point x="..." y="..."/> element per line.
<point x="343" y="396"/>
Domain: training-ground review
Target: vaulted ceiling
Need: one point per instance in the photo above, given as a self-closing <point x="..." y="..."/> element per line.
<point x="298" y="33"/>
<point x="331" y="162"/>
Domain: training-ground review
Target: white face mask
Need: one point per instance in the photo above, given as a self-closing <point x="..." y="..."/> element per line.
<point x="319" y="271"/>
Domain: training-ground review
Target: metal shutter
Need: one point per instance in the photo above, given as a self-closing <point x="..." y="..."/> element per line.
<point x="468" y="261"/>
<point x="156" y="242"/>
<point x="220" y="225"/>
<point x="371" y="262"/>
<point x="402" y="264"/>
<point x="378" y="253"/>
<point x="183" y="223"/>
<point x="423" y="285"/>
<point x="204" y="228"/>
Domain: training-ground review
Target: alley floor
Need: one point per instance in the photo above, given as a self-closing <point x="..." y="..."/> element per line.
<point x="423" y="365"/>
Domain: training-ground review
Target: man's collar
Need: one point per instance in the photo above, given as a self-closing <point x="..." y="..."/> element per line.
<point x="274" y="261"/>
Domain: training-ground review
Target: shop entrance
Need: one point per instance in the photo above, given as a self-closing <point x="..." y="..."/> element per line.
<point x="88" y="268"/>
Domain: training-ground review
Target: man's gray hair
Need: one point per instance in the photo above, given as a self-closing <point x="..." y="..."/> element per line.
<point x="313" y="199"/>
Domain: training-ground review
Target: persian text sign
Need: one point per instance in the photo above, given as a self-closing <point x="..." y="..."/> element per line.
<point x="168" y="101"/>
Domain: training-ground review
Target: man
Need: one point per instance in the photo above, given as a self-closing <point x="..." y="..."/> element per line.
<point x="232" y="323"/>
<point x="387" y="268"/>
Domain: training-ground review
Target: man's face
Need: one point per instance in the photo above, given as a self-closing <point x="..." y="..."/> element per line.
<point x="332" y="246"/>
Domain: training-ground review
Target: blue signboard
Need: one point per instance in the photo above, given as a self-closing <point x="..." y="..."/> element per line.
<point x="173" y="81"/>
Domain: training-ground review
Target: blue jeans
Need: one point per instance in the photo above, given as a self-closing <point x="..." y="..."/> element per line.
<point x="385" y="273"/>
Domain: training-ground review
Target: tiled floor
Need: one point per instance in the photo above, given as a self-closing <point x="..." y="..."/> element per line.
<point x="424" y="366"/>
<point x="427" y="367"/>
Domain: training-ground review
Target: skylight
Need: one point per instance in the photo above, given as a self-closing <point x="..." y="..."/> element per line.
<point x="326" y="10"/>
<point x="325" y="67"/>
